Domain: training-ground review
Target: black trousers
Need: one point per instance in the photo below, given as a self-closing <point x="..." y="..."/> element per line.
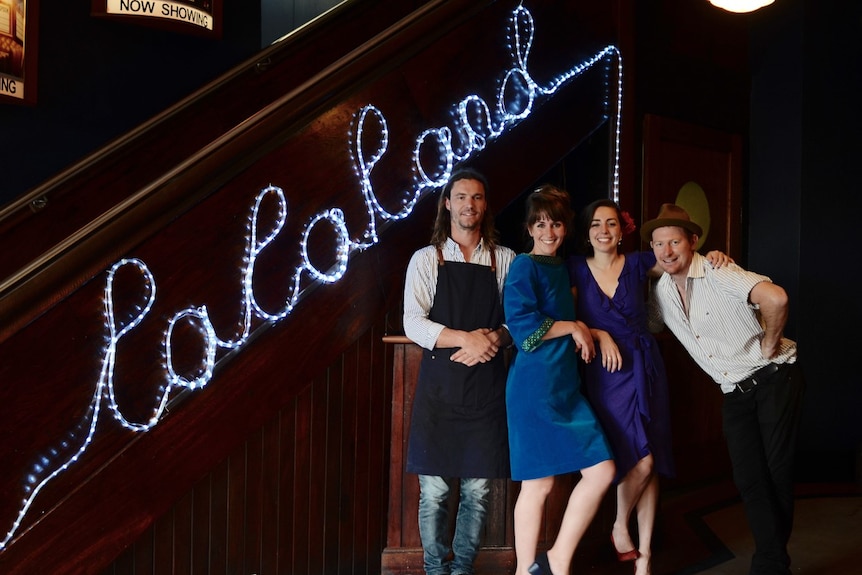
<point x="761" y="428"/>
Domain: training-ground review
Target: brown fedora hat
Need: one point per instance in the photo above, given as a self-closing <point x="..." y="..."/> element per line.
<point x="670" y="215"/>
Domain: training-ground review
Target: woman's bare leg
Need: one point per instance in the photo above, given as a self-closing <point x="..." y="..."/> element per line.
<point x="646" y="512"/>
<point x="581" y="509"/>
<point x="528" y="520"/>
<point x="629" y="493"/>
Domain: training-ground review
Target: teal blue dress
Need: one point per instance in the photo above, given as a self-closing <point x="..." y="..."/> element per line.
<point x="552" y="428"/>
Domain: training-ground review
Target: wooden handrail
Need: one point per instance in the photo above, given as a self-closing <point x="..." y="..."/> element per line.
<point x="68" y="264"/>
<point x="23" y="206"/>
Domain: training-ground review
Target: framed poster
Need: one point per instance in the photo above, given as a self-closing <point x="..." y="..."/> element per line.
<point x="18" y="50"/>
<point x="188" y="16"/>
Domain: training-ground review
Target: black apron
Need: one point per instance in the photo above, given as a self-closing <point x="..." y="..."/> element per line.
<point x="458" y="427"/>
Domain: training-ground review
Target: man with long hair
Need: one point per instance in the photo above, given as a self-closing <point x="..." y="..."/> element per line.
<point x="453" y="310"/>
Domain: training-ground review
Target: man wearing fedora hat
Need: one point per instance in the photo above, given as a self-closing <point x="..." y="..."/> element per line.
<point x="731" y="322"/>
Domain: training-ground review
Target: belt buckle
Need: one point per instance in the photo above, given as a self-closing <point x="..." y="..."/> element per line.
<point x="750" y="383"/>
<point x="746" y="385"/>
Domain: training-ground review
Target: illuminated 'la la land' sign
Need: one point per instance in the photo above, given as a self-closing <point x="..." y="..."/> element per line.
<point x="477" y="124"/>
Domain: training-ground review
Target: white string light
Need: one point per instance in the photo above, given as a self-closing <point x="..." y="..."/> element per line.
<point x="475" y="125"/>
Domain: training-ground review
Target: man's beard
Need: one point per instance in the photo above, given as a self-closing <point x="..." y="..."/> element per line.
<point x="473" y="226"/>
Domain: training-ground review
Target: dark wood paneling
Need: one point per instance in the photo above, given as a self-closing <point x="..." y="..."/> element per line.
<point x="272" y="507"/>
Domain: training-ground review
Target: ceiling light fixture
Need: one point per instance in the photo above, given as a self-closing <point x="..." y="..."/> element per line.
<point x="740" y="6"/>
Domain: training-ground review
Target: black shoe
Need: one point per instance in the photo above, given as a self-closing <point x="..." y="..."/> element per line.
<point x="541" y="566"/>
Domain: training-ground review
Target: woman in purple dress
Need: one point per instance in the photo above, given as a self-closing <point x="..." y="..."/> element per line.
<point x="628" y="387"/>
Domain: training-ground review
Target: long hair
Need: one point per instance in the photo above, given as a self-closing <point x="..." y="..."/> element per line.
<point x="443" y="222"/>
<point x="551" y="201"/>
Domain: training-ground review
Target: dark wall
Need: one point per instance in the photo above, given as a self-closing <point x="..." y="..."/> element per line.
<point x="805" y="194"/>
<point x="777" y="53"/>
<point x="691" y="64"/>
<point x="99" y="78"/>
<point x="280" y="16"/>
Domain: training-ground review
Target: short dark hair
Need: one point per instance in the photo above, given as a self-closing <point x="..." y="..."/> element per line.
<point x="550" y="201"/>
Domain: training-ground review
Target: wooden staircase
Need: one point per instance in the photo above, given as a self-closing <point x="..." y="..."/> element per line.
<point x="163" y="301"/>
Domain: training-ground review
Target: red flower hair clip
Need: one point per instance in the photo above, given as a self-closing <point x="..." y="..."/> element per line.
<point x="628" y="223"/>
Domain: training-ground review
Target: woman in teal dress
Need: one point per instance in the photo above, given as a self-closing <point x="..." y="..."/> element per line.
<point x="552" y="428"/>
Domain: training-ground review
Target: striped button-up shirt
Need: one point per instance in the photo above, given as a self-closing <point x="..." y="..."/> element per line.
<point x="722" y="330"/>
<point x="420" y="286"/>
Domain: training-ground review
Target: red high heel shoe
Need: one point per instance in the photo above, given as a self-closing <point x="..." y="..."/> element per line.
<point x="625" y="555"/>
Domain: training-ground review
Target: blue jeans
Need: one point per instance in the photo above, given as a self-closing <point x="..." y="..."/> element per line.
<point x="434" y="523"/>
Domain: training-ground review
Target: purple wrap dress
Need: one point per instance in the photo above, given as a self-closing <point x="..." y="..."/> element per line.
<point x="632" y="404"/>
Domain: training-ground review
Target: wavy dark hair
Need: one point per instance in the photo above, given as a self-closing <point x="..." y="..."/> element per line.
<point x="443" y="222"/>
<point x="551" y="201"/>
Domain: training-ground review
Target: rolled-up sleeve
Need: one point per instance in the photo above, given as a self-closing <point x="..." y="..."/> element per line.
<point x="419" y="290"/>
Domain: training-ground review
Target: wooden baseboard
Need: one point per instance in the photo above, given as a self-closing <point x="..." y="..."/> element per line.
<point x="408" y="561"/>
